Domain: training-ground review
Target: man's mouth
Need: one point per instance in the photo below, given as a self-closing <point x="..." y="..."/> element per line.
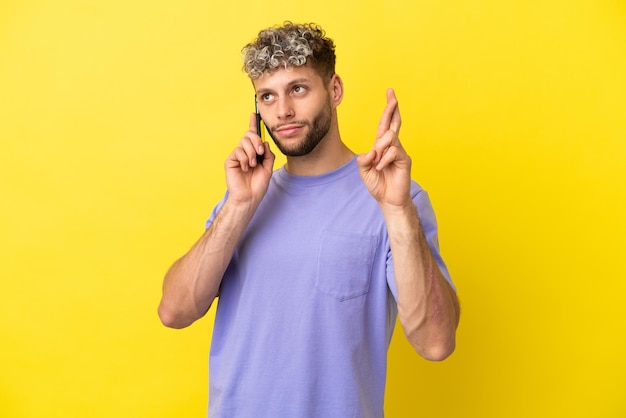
<point x="288" y="130"/>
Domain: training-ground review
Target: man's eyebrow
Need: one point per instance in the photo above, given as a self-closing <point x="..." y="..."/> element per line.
<point x="298" y="81"/>
<point x="260" y="92"/>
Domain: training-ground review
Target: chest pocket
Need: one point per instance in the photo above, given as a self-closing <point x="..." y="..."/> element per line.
<point x="344" y="265"/>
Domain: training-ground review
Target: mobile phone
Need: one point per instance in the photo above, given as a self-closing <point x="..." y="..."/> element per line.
<point x="259" y="128"/>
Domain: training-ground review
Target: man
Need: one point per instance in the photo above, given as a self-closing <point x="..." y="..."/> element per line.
<point x="312" y="262"/>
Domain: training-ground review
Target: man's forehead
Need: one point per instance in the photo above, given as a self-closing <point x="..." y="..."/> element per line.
<point x="282" y="78"/>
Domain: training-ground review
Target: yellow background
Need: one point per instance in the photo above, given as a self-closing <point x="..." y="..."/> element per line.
<point x="116" y="117"/>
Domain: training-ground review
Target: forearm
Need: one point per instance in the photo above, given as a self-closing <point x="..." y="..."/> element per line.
<point x="427" y="305"/>
<point x="193" y="281"/>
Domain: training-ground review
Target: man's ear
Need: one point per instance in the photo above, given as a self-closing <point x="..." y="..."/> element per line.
<point x="335" y="88"/>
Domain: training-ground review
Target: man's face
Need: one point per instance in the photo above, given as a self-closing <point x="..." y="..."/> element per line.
<point x="296" y="109"/>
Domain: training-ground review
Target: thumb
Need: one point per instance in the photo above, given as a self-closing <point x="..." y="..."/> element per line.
<point x="366" y="160"/>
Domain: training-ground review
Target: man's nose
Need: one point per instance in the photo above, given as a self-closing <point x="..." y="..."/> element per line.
<point x="285" y="107"/>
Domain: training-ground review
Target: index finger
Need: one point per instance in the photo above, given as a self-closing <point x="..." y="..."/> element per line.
<point x="396" y="120"/>
<point x="253" y="123"/>
<point x="390" y="118"/>
<point x="255" y="126"/>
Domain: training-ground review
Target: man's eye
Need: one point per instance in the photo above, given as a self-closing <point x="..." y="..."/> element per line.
<point x="298" y="89"/>
<point x="265" y="97"/>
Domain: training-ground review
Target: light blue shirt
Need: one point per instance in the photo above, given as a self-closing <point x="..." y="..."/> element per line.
<point x="307" y="306"/>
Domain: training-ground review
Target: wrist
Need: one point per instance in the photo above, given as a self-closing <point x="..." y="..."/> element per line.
<point x="400" y="208"/>
<point x="242" y="209"/>
<point x="401" y="219"/>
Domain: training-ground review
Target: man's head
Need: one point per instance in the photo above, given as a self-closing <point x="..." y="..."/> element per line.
<point x="287" y="46"/>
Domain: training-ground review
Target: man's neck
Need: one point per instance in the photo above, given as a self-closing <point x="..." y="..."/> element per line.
<point x="330" y="154"/>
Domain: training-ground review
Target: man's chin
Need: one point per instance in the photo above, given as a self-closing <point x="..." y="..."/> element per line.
<point x="291" y="148"/>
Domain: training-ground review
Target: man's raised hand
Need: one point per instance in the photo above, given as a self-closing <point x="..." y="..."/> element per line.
<point x="386" y="168"/>
<point x="246" y="179"/>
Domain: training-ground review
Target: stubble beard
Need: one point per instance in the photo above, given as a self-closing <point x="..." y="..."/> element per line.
<point x="318" y="129"/>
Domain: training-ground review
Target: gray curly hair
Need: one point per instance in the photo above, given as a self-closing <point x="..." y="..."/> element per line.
<point x="290" y="45"/>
